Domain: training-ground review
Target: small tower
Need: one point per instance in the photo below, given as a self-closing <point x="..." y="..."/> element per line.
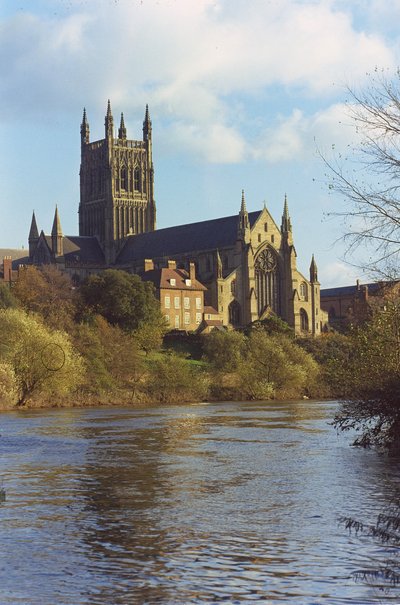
<point x="243" y="231"/>
<point x="109" y="122"/>
<point x="57" y="236"/>
<point x="286" y="225"/>
<point x="313" y="271"/>
<point x="147" y="126"/>
<point x="122" y="129"/>
<point x="85" y="133"/>
<point x="33" y="236"/>
<point x="315" y="298"/>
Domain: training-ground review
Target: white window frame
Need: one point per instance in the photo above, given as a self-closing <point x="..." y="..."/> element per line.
<point x="198" y="318"/>
<point x="177" y="302"/>
<point x="177" y="322"/>
<point x="187" y="318"/>
<point x="198" y="302"/>
<point x="186" y="302"/>
<point x="167" y="302"/>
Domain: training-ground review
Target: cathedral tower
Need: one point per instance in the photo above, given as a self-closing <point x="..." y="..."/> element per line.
<point x="116" y="184"/>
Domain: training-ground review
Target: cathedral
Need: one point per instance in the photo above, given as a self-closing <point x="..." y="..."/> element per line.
<point x="246" y="262"/>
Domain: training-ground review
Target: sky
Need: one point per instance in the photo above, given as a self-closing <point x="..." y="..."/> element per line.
<point x="243" y="94"/>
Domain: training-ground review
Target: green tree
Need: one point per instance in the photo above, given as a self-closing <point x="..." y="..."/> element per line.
<point x="171" y="378"/>
<point x="275" y="366"/>
<point x="123" y="299"/>
<point x="7" y="299"/>
<point x="371" y="381"/>
<point x="8" y="384"/>
<point x="224" y="349"/>
<point x="43" y="360"/>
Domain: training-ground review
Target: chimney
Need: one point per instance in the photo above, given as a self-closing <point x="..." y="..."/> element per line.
<point x="192" y="271"/>
<point x="7" y="269"/>
<point x="148" y="264"/>
<point x="172" y="264"/>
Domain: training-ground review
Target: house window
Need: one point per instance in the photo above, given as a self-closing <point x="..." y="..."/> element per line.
<point x="188" y="282"/>
<point x="259" y="237"/>
<point x="272" y="239"/>
<point x="265" y="227"/>
<point x="172" y="281"/>
<point x="187" y="318"/>
<point x="186" y="302"/>
<point x="198" y="318"/>
<point x="176" y="302"/>
<point x="198" y="303"/>
<point x="167" y="318"/>
<point x="167" y="302"/>
<point x="177" y="321"/>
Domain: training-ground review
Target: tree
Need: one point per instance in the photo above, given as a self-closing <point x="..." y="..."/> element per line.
<point x="224" y="349"/>
<point x="275" y="365"/>
<point x="123" y="299"/>
<point x="7" y="299"/>
<point x="48" y="292"/>
<point x="371" y="380"/>
<point x="171" y="378"/>
<point x="43" y="360"/>
<point x="369" y="180"/>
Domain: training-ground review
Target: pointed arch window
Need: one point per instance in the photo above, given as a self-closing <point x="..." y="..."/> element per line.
<point x="267" y="281"/>
<point x="234" y="313"/>
<point x="303" y="320"/>
<point x="136" y="178"/>
<point x="124" y="178"/>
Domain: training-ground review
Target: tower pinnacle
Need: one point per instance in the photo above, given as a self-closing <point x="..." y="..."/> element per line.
<point x="286" y="222"/>
<point x="122" y="129"/>
<point x="109" y="122"/>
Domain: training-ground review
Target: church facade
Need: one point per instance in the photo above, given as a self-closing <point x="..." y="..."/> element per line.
<point x="247" y="263"/>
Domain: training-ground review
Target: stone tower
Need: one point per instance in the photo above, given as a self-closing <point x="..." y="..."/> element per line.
<point x="116" y="185"/>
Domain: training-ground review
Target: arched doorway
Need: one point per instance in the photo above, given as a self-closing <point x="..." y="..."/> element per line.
<point x="303" y="320"/>
<point x="234" y="313"/>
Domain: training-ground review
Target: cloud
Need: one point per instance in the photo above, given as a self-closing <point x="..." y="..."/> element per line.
<point x="189" y="60"/>
<point x="337" y="273"/>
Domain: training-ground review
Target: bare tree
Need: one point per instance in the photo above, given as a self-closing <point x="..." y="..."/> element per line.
<point x="369" y="177"/>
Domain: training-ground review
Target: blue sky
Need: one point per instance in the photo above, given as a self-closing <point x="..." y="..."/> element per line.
<point x="241" y="95"/>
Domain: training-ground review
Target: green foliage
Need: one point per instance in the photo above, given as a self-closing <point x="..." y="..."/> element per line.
<point x="149" y="336"/>
<point x="224" y="349"/>
<point x="8" y="384"/>
<point x="272" y="325"/>
<point x="122" y="299"/>
<point x="372" y="382"/>
<point x="43" y="360"/>
<point x="7" y="299"/>
<point x="172" y="378"/>
<point x="275" y="366"/>
<point x="333" y="353"/>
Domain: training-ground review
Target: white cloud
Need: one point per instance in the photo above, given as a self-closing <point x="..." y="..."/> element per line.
<point x="337" y="273"/>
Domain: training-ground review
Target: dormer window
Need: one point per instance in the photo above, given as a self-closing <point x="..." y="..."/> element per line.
<point x="188" y="282"/>
<point x="172" y="281"/>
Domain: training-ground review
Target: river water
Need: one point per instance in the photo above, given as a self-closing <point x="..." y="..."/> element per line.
<point x="204" y="503"/>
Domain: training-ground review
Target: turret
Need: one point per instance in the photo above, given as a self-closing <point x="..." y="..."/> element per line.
<point x="147" y="125"/>
<point x="243" y="231"/>
<point x="109" y="122"/>
<point x="33" y="237"/>
<point x="286" y="225"/>
<point x="122" y="129"/>
<point x="85" y="134"/>
<point x="313" y="271"/>
<point x="57" y="236"/>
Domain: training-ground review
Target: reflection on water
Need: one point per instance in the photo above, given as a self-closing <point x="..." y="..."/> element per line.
<point x="212" y="503"/>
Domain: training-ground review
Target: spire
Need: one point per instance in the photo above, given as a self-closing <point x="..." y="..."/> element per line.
<point x="313" y="270"/>
<point x="146" y="125"/>
<point x="122" y="129"/>
<point x="243" y="224"/>
<point x="286" y="222"/>
<point x="84" y="128"/>
<point x="57" y="236"/>
<point x="109" y="121"/>
<point x="34" y="232"/>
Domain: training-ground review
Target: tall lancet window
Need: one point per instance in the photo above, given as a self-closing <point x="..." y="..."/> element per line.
<point x="124" y="178"/>
<point x="267" y="281"/>
<point x="136" y="176"/>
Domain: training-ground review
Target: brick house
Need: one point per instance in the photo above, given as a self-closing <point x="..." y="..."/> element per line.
<point x="180" y="294"/>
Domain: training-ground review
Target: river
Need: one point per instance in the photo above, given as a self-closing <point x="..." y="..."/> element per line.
<point x="203" y="503"/>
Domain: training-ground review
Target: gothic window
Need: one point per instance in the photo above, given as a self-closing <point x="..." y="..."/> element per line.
<point x="267" y="281"/>
<point x="136" y="177"/>
<point x="265" y="227"/>
<point x="124" y="179"/>
<point x="303" y="320"/>
<point x="233" y="287"/>
<point x="234" y="313"/>
<point x="303" y="291"/>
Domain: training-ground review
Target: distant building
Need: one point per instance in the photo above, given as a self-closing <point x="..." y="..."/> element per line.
<point x="247" y="263"/>
<point x="353" y="305"/>
<point x="180" y="294"/>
